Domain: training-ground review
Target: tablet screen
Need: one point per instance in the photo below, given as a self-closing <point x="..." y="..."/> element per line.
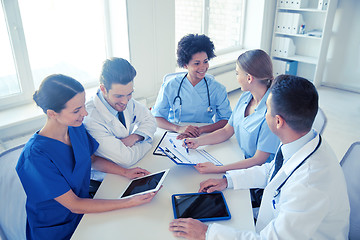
<point x="201" y="206"/>
<point x="146" y="184"/>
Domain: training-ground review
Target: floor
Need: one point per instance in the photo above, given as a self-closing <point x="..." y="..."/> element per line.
<point x="342" y="109"/>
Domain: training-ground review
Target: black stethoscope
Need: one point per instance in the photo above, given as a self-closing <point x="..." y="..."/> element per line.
<point x="277" y="192"/>
<point x="209" y="109"/>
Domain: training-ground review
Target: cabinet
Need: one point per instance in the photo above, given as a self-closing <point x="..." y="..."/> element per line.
<point x="301" y="34"/>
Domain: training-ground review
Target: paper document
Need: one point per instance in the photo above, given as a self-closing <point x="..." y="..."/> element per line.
<point x="172" y="148"/>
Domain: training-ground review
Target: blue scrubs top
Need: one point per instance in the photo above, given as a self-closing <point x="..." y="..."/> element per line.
<point x="49" y="168"/>
<point x="252" y="132"/>
<point x="194" y="101"/>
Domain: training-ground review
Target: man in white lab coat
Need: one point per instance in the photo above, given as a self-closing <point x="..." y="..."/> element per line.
<point x="305" y="194"/>
<point x="123" y="127"/>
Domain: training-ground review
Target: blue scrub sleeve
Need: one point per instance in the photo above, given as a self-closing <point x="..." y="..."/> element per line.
<point x="162" y="104"/>
<point x="41" y="178"/>
<point x="223" y="109"/>
<point x="267" y="140"/>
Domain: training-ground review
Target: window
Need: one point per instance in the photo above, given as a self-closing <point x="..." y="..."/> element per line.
<point x="63" y="38"/>
<point x="221" y="20"/>
<point x="9" y="84"/>
<point x="43" y="37"/>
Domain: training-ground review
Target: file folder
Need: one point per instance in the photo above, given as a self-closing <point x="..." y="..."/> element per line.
<point x="284" y="67"/>
<point x="297" y="21"/>
<point x="301" y="4"/>
<point x="172" y="148"/>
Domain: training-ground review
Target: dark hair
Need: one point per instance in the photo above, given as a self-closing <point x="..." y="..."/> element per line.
<point x="116" y="70"/>
<point x="192" y="44"/>
<point x="55" y="91"/>
<point x="296" y="100"/>
<point x="258" y="64"/>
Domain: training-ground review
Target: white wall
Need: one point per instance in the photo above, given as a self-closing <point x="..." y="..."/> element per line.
<point x="342" y="68"/>
<point x="152" y="43"/>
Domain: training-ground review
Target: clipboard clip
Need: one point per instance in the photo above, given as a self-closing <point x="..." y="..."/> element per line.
<point x="168" y="153"/>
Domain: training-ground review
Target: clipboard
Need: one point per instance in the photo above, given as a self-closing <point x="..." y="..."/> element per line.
<point x="157" y="150"/>
<point x="172" y="148"/>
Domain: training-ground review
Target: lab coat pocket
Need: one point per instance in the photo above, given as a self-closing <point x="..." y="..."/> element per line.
<point x="276" y="204"/>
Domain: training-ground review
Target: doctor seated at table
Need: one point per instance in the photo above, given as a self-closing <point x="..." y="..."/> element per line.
<point x="192" y="96"/>
<point x="305" y="194"/>
<point x="123" y="127"/>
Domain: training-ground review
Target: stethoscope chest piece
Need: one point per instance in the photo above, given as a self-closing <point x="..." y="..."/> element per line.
<point x="179" y="100"/>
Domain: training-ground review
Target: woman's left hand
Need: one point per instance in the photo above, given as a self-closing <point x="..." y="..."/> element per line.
<point x="135" y="172"/>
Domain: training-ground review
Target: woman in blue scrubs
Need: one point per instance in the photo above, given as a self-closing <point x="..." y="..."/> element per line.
<point x="255" y="74"/>
<point x="54" y="166"/>
<point x="192" y="97"/>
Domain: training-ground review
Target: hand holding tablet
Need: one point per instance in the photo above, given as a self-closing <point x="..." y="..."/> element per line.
<point x="146" y="184"/>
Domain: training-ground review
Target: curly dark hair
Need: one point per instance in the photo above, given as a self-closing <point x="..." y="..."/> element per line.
<point x="192" y="44"/>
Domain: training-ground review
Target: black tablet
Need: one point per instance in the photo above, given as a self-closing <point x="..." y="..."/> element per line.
<point x="201" y="206"/>
<point x="146" y="184"/>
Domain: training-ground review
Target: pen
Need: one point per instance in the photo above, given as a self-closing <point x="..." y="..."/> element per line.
<point x="171" y="141"/>
<point x="186" y="146"/>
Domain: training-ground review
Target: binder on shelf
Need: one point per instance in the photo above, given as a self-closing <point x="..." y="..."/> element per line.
<point x="297" y="21"/>
<point x="287" y="46"/>
<point x="281" y="3"/>
<point x="300" y="4"/>
<point x="288" y="23"/>
<point x="283" y="47"/>
<point x="323" y="4"/>
<point x="288" y="19"/>
<point x="284" y="67"/>
<point x="275" y="46"/>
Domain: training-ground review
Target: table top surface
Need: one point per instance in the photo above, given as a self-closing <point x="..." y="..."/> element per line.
<point x="151" y="221"/>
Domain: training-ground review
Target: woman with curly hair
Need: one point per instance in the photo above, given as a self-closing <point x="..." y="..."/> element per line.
<point x="193" y="96"/>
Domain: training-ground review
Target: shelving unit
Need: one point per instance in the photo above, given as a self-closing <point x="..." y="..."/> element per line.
<point x="310" y="50"/>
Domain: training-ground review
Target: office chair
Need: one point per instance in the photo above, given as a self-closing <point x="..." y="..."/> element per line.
<point x="320" y="121"/>
<point x="350" y="164"/>
<point x="12" y="197"/>
<point x="169" y="76"/>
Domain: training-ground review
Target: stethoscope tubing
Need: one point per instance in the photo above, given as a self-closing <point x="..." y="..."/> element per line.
<point x="209" y="109"/>
<point x="178" y="93"/>
<point x="277" y="192"/>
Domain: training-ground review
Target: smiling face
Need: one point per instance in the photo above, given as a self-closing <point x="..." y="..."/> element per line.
<point x="74" y="112"/>
<point x="118" y="95"/>
<point x="197" y="66"/>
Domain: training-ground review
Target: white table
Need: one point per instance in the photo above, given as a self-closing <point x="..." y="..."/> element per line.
<point x="151" y="221"/>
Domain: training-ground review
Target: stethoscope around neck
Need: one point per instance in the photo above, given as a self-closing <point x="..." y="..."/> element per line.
<point x="209" y="109"/>
<point x="277" y="191"/>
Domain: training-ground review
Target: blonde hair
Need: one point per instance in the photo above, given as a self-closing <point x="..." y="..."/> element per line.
<point x="258" y="64"/>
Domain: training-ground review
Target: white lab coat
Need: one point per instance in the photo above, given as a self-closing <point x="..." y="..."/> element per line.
<point x="108" y="130"/>
<point x="312" y="204"/>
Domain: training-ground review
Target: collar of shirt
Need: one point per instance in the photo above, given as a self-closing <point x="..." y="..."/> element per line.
<point x="107" y="105"/>
<point x="289" y="149"/>
<point x="262" y="103"/>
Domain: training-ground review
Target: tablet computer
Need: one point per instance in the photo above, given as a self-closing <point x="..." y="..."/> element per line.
<point x="201" y="206"/>
<point x="146" y="184"/>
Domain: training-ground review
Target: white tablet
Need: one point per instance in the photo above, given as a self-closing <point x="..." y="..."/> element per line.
<point x="146" y="184"/>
